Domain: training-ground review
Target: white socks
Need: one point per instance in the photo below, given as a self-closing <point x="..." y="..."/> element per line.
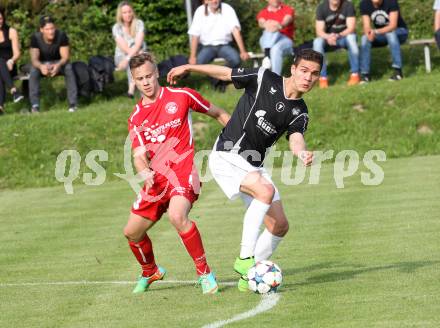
<point x="251" y="227"/>
<point x="266" y="245"/>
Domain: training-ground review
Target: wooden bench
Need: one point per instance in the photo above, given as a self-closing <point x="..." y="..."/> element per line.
<point x="425" y="43"/>
<point x="24" y="78"/>
<point x="256" y="58"/>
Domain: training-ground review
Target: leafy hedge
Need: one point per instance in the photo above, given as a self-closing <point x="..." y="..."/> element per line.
<point x="88" y="23"/>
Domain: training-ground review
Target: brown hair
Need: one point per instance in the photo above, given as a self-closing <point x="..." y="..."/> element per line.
<point x="141" y="59"/>
<point x="310" y="55"/>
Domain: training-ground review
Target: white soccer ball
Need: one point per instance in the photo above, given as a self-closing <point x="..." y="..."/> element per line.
<point x="264" y="277"/>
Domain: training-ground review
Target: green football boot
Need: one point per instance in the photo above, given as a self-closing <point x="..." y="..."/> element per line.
<point x="241" y="266"/>
<point x="208" y="283"/>
<point x="145" y="282"/>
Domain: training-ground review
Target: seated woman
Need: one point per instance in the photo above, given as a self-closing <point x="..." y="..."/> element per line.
<point x="129" y="36"/>
<point x="9" y="54"/>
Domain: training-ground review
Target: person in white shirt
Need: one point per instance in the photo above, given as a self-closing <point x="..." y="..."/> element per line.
<point x="212" y="29"/>
<point x="437" y="22"/>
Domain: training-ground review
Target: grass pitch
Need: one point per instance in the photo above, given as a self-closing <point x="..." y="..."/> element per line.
<point x="362" y="256"/>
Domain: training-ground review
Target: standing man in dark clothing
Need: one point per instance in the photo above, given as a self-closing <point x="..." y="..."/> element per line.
<point x="383" y="25"/>
<point x="50" y="57"/>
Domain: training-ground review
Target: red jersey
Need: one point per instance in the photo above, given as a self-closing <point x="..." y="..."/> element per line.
<point x="278" y="16"/>
<point x="164" y="129"/>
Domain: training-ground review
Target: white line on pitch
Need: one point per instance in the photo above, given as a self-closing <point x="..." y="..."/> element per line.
<point x="87" y="282"/>
<point x="267" y="302"/>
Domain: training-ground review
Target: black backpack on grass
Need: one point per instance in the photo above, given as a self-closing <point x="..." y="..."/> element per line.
<point x="166" y="65"/>
<point x="83" y="81"/>
<point x="101" y="72"/>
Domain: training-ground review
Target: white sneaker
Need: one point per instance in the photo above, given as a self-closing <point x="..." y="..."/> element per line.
<point x="266" y="63"/>
<point x="72" y="109"/>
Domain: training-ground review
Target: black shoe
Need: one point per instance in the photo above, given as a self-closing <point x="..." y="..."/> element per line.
<point x="397" y="76"/>
<point x="365" y="78"/>
<point x="17" y="96"/>
<point x="130" y="95"/>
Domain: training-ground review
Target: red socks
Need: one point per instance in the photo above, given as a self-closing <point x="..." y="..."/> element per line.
<point x="193" y="244"/>
<point x="143" y="251"/>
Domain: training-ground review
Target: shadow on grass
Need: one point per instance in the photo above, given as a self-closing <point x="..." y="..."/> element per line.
<point x="403" y="267"/>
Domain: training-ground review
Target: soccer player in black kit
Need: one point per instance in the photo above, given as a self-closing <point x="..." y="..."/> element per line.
<point x="270" y="106"/>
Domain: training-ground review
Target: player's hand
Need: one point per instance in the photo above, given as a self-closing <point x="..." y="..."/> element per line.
<point x="244" y="55"/>
<point x="176" y="73"/>
<point x="306" y="157"/>
<point x="149" y="178"/>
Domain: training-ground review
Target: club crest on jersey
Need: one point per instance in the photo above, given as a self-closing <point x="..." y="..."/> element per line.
<point x="295" y="111"/>
<point x="171" y="108"/>
<point x="280" y="107"/>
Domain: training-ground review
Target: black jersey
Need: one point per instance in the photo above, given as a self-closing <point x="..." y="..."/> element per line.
<point x="262" y="115"/>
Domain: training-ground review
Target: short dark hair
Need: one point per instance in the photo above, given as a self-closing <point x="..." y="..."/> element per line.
<point x="46" y="19"/>
<point x="310" y="55"/>
<point x="141" y="59"/>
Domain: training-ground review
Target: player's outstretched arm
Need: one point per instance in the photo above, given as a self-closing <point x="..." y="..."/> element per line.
<point x="216" y="71"/>
<point x="219" y="114"/>
<point x="297" y="145"/>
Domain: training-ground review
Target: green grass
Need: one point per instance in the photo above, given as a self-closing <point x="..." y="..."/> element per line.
<point x="354" y="257"/>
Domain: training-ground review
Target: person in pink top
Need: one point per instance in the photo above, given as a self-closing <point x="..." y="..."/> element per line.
<point x="277" y="22"/>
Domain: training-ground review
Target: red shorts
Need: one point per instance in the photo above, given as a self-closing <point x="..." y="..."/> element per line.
<point x="155" y="202"/>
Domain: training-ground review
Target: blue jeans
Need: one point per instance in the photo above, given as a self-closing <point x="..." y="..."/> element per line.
<point x="347" y="42"/>
<point x="394" y="39"/>
<point x="70" y="80"/>
<point x="208" y="53"/>
<point x="280" y="46"/>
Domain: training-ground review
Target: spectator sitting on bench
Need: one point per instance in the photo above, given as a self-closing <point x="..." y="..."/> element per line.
<point x="383" y="24"/>
<point x="128" y="33"/>
<point x="50" y="57"/>
<point x="336" y="28"/>
<point x="9" y="54"/>
<point x="212" y="29"/>
<point x="277" y="38"/>
<point x="437" y="22"/>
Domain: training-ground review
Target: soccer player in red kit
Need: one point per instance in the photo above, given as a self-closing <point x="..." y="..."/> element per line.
<point x="163" y="148"/>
